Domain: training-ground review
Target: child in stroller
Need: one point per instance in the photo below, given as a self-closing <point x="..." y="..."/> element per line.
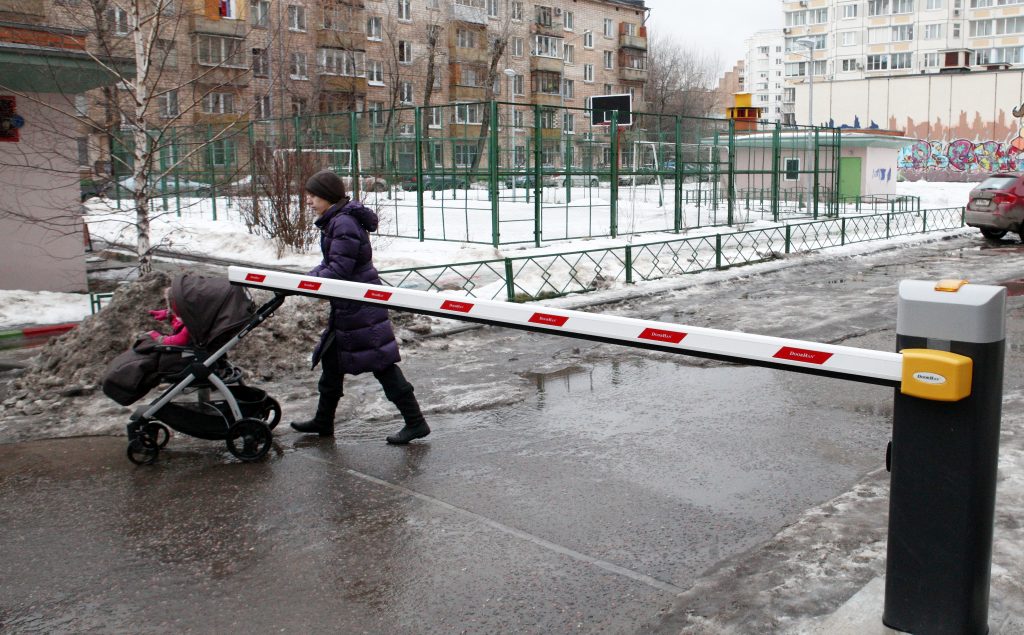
<point x="215" y="316"/>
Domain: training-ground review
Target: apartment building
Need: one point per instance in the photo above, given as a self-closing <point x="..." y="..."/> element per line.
<point x="859" y="39"/>
<point x="227" y="62"/>
<point x="763" y="69"/>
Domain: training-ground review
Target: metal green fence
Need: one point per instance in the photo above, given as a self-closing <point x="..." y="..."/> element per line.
<point x="549" y="275"/>
<point x="505" y="173"/>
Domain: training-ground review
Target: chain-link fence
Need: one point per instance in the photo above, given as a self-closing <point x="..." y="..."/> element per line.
<point x="506" y="173"/>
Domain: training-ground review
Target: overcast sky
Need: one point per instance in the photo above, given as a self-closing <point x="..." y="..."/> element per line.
<point x="715" y="26"/>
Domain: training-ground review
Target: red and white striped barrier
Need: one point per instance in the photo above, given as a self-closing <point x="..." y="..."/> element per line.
<point x="876" y="367"/>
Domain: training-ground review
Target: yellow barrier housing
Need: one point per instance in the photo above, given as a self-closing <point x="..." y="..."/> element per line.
<point x="936" y="375"/>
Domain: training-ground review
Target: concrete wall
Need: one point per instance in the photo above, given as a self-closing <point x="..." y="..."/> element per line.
<point x="964" y="121"/>
<point x="41" y="243"/>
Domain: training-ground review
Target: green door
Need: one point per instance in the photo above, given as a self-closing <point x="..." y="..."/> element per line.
<point x="849" y="177"/>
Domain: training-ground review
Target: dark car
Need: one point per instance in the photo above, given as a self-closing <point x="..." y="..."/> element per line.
<point x="996" y="205"/>
<point x="528" y="180"/>
<point x="92" y="188"/>
<point x="433" y="182"/>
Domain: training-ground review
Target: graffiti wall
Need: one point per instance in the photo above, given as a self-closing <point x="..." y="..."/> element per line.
<point x="961" y="155"/>
<point x="966" y="124"/>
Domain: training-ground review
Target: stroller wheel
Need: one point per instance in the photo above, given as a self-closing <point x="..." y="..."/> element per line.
<point x="158" y="432"/>
<point x="249" y="439"/>
<point x="272" y="413"/>
<point x="143" y="450"/>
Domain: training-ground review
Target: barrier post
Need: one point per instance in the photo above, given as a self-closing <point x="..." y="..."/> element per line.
<point x="943" y="459"/>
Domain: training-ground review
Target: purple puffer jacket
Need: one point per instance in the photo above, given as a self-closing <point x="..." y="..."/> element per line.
<point x="362" y="334"/>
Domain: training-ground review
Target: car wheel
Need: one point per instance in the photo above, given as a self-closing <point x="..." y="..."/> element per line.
<point x="594" y="183"/>
<point x="993" y="234"/>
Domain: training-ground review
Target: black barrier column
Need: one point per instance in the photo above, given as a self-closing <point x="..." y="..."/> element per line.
<point x="945" y="451"/>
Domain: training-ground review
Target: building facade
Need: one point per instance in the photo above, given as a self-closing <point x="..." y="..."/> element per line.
<point x="230" y="62"/>
<point x="763" y="70"/>
<point x="838" y="40"/>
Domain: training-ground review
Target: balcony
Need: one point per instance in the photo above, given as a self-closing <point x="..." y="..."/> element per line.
<point x="343" y="83"/>
<point x="546" y="99"/>
<point x="350" y="40"/>
<point x="633" y="41"/>
<point x="472" y="15"/>
<point x="632" y="66"/>
<point x="550" y="64"/>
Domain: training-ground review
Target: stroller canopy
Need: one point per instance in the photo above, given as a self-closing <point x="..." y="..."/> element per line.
<point x="211" y="308"/>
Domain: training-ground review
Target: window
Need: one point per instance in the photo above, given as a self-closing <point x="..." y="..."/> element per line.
<point x="218" y="103"/>
<point x="934" y="4"/>
<point x="260" y="13"/>
<point x="404" y="10"/>
<point x="374" y="28"/>
<point x="568" y="89"/>
<point x="568" y="122"/>
<point x="547" y="120"/>
<point x="519" y="85"/>
<point x="341" y="62"/>
<point x="468" y="113"/>
<point x="588" y="73"/>
<point x="609" y="27"/>
<point x="817" y="16"/>
<point x="465" y="154"/>
<point x="375" y="72"/>
<point x="492" y="8"/>
<point x="544" y="15"/>
<point x="296" y="17"/>
<point x="903" y="33"/>
<point x="81" y="105"/>
<point x="517" y="10"/>
<point x="796" y="18"/>
<point x="220" y="153"/>
<point x="217" y="50"/>
<point x="404" y="52"/>
<point x="517" y="118"/>
<point x="547" y="46"/>
<point x="878" y="7"/>
<point x="546" y="83"/>
<point x="792" y="169"/>
<point x="933" y="31"/>
<point x="260" y="63"/>
<point x="117" y="19"/>
<point x="879" y="35"/>
<point x="299" y="106"/>
<point x="167" y="105"/>
<point x="298" y="69"/>
<point x="979" y="28"/>
<point x="376" y="110"/>
<point x="568" y="20"/>
<point x="569" y="53"/>
<point x="227" y="9"/>
<point x="848" y="38"/>
<point x="931" y="60"/>
<point x="956" y="30"/>
<point x="608" y="61"/>
<point x="607" y="89"/>
<point x="405" y="93"/>
<point x="849" y="11"/>
<point x="588" y="39"/>
<point x="262" y="107"/>
<point x="900" y="61"/>
<point x="436" y="117"/>
<point x="878" y="62"/>
<point x="849" y="65"/>
<point x="339" y="17"/>
<point x="465" y="39"/>
<point x="902" y="6"/>
<point x="437" y="153"/>
<point x="517" y="46"/>
<point x="1009" y="26"/>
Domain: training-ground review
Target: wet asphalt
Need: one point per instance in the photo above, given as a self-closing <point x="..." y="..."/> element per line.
<point x="604" y="487"/>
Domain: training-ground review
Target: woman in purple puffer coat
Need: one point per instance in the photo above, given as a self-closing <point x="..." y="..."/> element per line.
<point x="358" y="337"/>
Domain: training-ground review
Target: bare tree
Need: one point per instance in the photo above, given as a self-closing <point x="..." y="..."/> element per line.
<point x="680" y="81"/>
<point x="497" y="41"/>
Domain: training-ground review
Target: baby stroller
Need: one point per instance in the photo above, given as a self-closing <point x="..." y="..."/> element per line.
<point x="219" y="406"/>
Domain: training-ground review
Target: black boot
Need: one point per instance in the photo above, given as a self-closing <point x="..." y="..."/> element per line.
<point x="323" y="422"/>
<point x="415" y="424"/>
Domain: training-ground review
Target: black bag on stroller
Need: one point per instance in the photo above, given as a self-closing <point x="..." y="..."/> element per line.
<point x="217" y="315"/>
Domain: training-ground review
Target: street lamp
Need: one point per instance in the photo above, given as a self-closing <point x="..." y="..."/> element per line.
<point x="810" y="45"/>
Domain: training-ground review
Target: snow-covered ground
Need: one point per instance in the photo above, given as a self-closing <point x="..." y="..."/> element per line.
<point x="195" y="231"/>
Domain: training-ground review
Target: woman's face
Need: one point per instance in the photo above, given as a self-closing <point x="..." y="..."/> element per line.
<point x="318" y="204"/>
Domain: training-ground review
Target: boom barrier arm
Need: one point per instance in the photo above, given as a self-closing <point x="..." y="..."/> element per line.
<point x="863" y="365"/>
